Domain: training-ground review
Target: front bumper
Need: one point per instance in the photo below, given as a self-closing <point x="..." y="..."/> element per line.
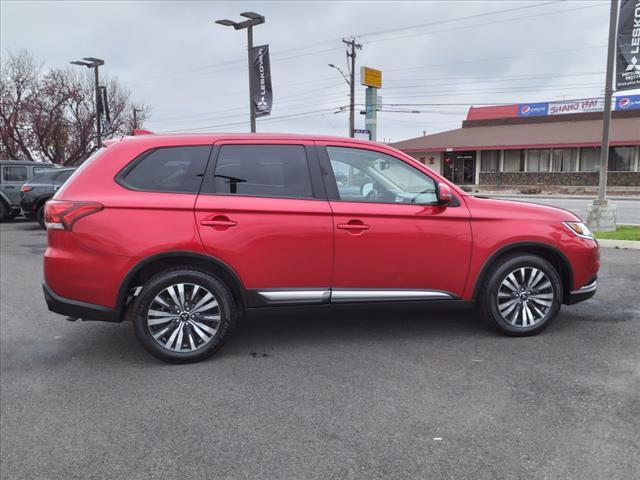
<point x="585" y="292"/>
<point x="76" y="309"/>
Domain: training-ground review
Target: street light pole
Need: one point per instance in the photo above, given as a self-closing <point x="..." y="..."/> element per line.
<point x="352" y="84"/>
<point x="601" y="215"/>
<point x="95" y="63"/>
<point x="253" y="20"/>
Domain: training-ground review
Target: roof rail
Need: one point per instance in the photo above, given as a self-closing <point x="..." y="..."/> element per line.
<point x="142" y="132"/>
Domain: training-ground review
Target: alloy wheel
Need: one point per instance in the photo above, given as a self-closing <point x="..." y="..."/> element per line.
<point x="525" y="297"/>
<point x="184" y="317"/>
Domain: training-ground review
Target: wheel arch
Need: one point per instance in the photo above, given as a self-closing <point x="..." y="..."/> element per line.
<point x="546" y="251"/>
<point x="150" y="266"/>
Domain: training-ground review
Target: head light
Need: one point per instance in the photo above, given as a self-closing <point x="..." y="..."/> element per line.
<point x="580" y="229"/>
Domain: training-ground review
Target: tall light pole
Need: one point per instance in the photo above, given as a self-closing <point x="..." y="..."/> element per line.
<point x="253" y="20"/>
<point x="601" y="215"/>
<point x="95" y="63"/>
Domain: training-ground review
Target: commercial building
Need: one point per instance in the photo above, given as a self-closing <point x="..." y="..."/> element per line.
<point x="555" y="143"/>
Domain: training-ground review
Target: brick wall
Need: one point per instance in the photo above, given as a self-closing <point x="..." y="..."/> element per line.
<point x="577" y="179"/>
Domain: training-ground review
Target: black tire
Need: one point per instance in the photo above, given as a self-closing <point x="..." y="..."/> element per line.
<point x="156" y="286"/>
<point x="40" y="217"/>
<point x="488" y="301"/>
<point x="4" y="211"/>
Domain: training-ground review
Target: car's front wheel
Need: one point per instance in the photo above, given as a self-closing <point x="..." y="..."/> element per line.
<point x="183" y="316"/>
<point x="521" y="295"/>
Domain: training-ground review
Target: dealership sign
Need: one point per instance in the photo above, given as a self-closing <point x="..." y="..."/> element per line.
<point x="628" y="40"/>
<point x="261" y="81"/>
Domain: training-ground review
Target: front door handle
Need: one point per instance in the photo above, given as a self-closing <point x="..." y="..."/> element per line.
<point x="219" y="221"/>
<point x="355" y="226"/>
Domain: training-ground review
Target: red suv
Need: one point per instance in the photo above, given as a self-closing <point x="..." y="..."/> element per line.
<point x="184" y="233"/>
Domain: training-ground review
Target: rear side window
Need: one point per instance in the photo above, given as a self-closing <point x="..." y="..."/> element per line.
<point x="170" y="169"/>
<point x="263" y="170"/>
<point x="14" y="174"/>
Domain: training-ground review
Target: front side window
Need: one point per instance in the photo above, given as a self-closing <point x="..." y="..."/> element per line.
<point x="14" y="174"/>
<point x="167" y="169"/>
<point x="368" y="176"/>
<point x="263" y="170"/>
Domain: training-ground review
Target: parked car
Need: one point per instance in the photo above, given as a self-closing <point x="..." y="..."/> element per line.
<point x="41" y="188"/>
<point x="13" y="174"/>
<point x="183" y="234"/>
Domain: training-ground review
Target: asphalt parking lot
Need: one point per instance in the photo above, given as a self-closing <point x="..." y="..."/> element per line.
<point x="336" y="394"/>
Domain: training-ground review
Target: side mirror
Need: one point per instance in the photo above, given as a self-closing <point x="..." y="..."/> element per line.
<point x="445" y="195"/>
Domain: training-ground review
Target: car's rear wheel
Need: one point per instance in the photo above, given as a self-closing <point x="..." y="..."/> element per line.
<point x="40" y="216"/>
<point x="4" y="211"/>
<point x="521" y="295"/>
<point x="183" y="316"/>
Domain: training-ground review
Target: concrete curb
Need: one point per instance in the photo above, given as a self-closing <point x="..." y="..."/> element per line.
<point x="629" y="244"/>
<point x="554" y="197"/>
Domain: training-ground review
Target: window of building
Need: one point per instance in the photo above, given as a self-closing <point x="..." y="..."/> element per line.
<point x="170" y="169"/>
<point x="14" y="174"/>
<point x="565" y="159"/>
<point x="621" y="159"/>
<point x="489" y="160"/>
<point x="369" y="176"/>
<point x="589" y="159"/>
<point x="263" y="170"/>
<point x="538" y="160"/>
<point x="513" y="161"/>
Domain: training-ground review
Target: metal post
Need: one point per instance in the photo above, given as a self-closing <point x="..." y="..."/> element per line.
<point x="252" y="114"/>
<point x="98" y="126"/>
<point x="135" y="118"/>
<point x="608" y="93"/>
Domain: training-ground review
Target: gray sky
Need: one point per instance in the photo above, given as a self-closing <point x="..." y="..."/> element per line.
<point x="192" y="72"/>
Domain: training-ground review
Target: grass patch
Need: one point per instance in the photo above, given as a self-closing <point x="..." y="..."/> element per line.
<point x="623" y="232"/>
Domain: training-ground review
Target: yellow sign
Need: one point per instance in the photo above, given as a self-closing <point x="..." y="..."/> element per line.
<point x="370" y="77"/>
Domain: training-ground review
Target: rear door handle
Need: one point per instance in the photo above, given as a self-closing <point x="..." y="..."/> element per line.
<point x="219" y="221"/>
<point x="353" y="226"/>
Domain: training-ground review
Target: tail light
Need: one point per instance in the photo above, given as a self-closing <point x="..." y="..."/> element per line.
<point x="62" y="214"/>
<point x="25" y="188"/>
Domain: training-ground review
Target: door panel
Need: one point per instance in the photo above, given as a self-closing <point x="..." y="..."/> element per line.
<point x="269" y="242"/>
<point x="394" y="236"/>
<point x="404" y="247"/>
<point x="265" y="214"/>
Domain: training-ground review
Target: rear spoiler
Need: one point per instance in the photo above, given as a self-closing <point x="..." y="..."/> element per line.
<point x="136" y="132"/>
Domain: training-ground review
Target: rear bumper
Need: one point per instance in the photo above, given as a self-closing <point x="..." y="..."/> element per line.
<point x="73" y="308"/>
<point x="583" y="293"/>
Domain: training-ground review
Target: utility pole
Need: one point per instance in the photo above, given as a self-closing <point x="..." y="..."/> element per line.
<point x="601" y="215"/>
<point x="253" y="19"/>
<point x="351" y="54"/>
<point x="95" y="63"/>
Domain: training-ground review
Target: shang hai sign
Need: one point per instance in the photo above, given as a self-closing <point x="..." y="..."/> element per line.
<point x="577" y="106"/>
<point x="628" y="40"/>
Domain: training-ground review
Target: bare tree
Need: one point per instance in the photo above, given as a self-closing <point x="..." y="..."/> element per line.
<point x="51" y="116"/>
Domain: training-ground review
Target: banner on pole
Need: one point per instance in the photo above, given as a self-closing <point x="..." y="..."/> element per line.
<point x="103" y="109"/>
<point x="261" y="81"/>
<point x="628" y="41"/>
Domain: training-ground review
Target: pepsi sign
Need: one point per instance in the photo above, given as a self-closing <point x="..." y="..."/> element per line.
<point x="628" y="102"/>
<point x="533" y="109"/>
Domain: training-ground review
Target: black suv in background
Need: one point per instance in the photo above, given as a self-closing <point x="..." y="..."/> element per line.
<point x="41" y="188"/>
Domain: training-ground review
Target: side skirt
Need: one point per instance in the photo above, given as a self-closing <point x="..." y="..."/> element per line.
<point x="319" y="296"/>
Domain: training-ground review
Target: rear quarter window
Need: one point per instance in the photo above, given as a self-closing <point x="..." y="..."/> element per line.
<point x="167" y="169"/>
